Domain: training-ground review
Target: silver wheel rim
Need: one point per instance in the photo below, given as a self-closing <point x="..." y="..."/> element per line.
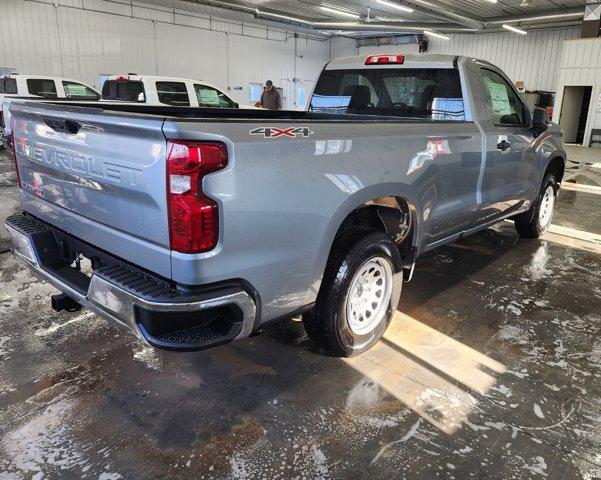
<point x="547" y="204"/>
<point x="369" y="295"/>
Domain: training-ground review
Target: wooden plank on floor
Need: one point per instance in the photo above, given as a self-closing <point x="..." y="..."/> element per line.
<point x="579" y="187"/>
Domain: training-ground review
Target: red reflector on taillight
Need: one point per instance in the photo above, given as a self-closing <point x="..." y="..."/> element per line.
<point x="378" y="59"/>
<point x="12" y="141"/>
<point x="193" y="217"/>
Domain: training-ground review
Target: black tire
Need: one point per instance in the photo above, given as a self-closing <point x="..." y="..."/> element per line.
<point x="528" y="225"/>
<point x="327" y="323"/>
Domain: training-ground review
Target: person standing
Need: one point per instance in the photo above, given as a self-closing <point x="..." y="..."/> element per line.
<point x="270" y="98"/>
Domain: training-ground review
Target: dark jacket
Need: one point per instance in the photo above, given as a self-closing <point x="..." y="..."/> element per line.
<point x="271" y="100"/>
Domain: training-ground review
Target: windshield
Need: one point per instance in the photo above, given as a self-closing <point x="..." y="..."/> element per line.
<point x="433" y="94"/>
<point x="123" y="90"/>
<point x="211" y="97"/>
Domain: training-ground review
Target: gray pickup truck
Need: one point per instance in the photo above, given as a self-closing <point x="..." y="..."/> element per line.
<point x="197" y="227"/>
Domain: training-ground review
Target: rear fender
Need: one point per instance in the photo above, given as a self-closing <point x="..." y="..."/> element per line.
<point x="357" y="200"/>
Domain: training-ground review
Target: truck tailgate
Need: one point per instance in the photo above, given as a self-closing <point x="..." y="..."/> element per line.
<point x="98" y="172"/>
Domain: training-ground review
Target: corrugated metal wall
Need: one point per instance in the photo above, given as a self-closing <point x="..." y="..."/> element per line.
<point x="84" y="38"/>
<point x="533" y="58"/>
<point x="343" y="47"/>
<point x="581" y="66"/>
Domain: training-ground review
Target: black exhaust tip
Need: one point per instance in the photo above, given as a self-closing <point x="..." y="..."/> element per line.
<point x="64" y="302"/>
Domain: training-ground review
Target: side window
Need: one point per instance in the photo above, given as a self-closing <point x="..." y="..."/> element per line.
<point x="506" y="107"/>
<point x="78" y="90"/>
<point x="42" y="87"/>
<point x="211" y="97"/>
<point x="254" y="92"/>
<point x="173" y="93"/>
<point x="8" y="85"/>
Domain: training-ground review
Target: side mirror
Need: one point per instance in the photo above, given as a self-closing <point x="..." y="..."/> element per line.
<point x="235" y="105"/>
<point x="141" y="97"/>
<point x="540" y="121"/>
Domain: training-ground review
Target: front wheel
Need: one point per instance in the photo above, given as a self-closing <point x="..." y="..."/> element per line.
<point x="535" y="225"/>
<point x="358" y="297"/>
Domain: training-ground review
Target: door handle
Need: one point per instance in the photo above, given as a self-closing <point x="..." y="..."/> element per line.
<point x="504" y="145"/>
<point x="64" y="126"/>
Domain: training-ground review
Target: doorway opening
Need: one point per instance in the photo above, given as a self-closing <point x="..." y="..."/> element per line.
<point x="574" y="113"/>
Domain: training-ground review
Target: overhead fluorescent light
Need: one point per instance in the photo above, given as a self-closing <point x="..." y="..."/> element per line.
<point x="398" y="6"/>
<point x="340" y="13"/>
<point x="550" y="16"/>
<point x="491" y="1"/>
<point x="434" y="34"/>
<point x="513" y="29"/>
<point x="282" y="17"/>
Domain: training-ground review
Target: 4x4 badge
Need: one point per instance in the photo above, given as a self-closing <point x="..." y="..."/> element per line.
<point x="274" y="132"/>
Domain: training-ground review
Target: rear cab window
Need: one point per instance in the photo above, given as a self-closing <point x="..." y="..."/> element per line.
<point x="173" y="93"/>
<point x="211" y="97"/>
<point x="79" y="91"/>
<point x="123" y="90"/>
<point x="424" y="93"/>
<point x="42" y="87"/>
<point x="8" y="85"/>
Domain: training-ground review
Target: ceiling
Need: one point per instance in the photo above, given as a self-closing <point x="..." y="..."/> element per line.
<point x="444" y="16"/>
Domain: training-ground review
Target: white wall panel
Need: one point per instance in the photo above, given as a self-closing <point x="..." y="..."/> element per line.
<point x="581" y="66"/>
<point x="30" y="41"/>
<point x="84" y="38"/>
<point x="93" y="43"/>
<point x="343" y="47"/>
<point x="533" y="58"/>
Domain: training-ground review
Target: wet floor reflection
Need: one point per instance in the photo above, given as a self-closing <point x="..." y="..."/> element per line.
<point x="431" y="373"/>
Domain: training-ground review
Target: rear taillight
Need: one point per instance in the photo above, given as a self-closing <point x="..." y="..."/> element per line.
<point x="14" y="146"/>
<point x="193" y="217"/>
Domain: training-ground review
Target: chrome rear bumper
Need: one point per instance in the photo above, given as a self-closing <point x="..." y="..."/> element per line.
<point x="118" y="304"/>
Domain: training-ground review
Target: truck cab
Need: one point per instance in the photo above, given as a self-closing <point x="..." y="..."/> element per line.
<point x="155" y="90"/>
<point x="38" y="87"/>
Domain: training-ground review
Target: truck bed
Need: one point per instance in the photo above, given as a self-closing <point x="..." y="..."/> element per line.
<point x="240" y="115"/>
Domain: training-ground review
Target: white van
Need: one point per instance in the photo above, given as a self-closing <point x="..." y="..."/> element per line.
<point x="39" y="86"/>
<point x="153" y="90"/>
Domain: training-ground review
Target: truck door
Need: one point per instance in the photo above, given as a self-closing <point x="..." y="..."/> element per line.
<point x="511" y="169"/>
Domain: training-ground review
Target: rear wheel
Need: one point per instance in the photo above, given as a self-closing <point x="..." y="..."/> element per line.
<point x="535" y="225"/>
<point x="358" y="297"/>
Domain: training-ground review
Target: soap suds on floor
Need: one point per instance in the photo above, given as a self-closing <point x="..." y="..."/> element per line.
<point x="149" y="356"/>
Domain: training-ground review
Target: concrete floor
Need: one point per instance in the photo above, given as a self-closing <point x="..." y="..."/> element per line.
<point x="492" y="371"/>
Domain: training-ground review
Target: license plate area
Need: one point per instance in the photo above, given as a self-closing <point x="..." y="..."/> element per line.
<point x="83" y="264"/>
<point x="72" y="260"/>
